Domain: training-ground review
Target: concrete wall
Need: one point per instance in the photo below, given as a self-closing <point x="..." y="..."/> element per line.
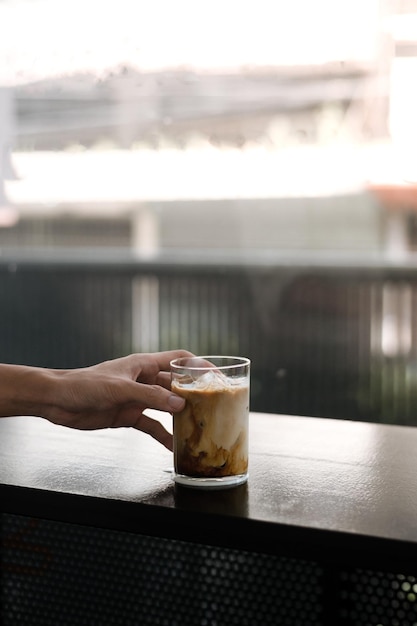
<point x="351" y="222"/>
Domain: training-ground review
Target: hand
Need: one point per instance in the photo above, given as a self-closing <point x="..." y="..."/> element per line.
<point x="116" y="393"/>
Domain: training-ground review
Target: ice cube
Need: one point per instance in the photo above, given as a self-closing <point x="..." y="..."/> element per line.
<point x="212" y="380"/>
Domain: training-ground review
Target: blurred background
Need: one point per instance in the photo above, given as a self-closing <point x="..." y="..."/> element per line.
<point x="228" y="177"/>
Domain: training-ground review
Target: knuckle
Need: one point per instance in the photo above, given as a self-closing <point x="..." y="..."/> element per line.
<point x="155" y="394"/>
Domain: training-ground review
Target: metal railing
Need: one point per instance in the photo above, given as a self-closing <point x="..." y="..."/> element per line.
<point x="327" y="338"/>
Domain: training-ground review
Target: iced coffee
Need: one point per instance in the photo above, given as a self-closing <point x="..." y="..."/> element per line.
<point x="211" y="433"/>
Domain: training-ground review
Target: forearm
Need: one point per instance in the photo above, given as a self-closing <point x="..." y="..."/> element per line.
<point x="110" y="394"/>
<point x="25" y="390"/>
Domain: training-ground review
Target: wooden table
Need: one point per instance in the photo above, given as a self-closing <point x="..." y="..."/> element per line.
<point x="95" y="532"/>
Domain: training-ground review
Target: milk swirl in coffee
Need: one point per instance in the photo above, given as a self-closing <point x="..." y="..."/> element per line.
<point x="211" y="433"/>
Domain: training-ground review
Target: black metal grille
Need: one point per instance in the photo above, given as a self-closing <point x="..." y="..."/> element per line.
<point x="372" y="598"/>
<point x="64" y="319"/>
<point x="58" y="573"/>
<point x="322" y="343"/>
<point x="67" y="575"/>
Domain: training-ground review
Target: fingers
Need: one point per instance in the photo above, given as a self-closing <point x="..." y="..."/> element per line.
<point x="156" y="397"/>
<point x="154" y="429"/>
<point x="163" y="359"/>
<point x="164" y="380"/>
<point x="155" y="367"/>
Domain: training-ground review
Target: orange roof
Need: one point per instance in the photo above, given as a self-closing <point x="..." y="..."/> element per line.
<point x="396" y="196"/>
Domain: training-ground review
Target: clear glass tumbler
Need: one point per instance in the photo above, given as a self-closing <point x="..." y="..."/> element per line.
<point x="211" y="433"/>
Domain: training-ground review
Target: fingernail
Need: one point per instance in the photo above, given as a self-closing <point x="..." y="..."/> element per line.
<point x="176" y="403"/>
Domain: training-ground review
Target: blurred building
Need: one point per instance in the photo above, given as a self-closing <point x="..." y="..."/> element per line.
<point x="270" y="155"/>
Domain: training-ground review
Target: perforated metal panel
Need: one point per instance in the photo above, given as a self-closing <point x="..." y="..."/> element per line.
<point x="66" y="575"/>
<point x="372" y="598"/>
<point x="60" y="574"/>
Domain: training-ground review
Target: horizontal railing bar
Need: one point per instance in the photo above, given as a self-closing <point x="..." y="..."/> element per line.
<point x="172" y="260"/>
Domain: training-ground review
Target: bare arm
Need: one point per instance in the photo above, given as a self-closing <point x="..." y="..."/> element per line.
<point x="107" y="395"/>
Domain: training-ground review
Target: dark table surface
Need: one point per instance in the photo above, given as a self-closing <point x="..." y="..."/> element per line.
<point x="314" y="484"/>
